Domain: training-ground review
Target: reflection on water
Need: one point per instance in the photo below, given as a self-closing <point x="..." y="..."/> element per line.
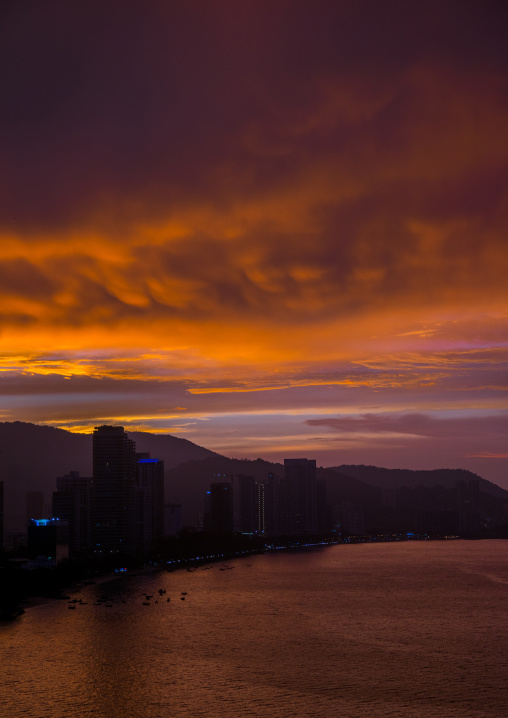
<point x="414" y="629"/>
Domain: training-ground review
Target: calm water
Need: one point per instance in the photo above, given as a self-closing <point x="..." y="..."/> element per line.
<point x="387" y="630"/>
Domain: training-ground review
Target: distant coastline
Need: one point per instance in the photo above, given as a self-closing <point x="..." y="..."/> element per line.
<point x="30" y="589"/>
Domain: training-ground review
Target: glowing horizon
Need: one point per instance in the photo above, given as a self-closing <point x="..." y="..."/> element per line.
<point x="266" y="237"/>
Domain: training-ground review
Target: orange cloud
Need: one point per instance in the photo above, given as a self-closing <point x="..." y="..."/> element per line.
<point x="262" y="203"/>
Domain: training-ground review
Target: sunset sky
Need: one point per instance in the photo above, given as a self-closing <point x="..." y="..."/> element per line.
<point x="275" y="228"/>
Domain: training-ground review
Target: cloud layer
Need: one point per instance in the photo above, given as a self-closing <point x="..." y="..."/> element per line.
<point x="261" y="206"/>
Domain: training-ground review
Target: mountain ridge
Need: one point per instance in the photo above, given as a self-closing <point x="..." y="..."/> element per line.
<point x="393" y="478"/>
<point x="32" y="456"/>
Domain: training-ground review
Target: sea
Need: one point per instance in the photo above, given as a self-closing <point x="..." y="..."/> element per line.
<point x="416" y="629"/>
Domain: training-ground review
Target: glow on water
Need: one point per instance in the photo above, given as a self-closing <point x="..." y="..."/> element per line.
<point x="414" y="629"/>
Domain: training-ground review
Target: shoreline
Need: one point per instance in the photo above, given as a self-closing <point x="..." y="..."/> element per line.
<point x="185" y="563"/>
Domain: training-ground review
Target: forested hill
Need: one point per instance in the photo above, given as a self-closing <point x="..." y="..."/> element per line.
<point x="32" y="456"/>
<point x="392" y="478"/>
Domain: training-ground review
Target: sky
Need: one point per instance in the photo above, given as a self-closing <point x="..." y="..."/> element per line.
<point x="274" y="228"/>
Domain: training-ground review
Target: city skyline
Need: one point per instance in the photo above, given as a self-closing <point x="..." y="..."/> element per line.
<point x="272" y="229"/>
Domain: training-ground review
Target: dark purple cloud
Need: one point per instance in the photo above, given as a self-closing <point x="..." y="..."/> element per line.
<point x="439" y="428"/>
<point x="269" y="206"/>
<point x="118" y="103"/>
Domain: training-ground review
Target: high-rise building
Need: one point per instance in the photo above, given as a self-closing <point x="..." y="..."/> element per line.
<point x="114" y="491"/>
<point x="72" y="502"/>
<point x="47" y="542"/>
<point x="260" y="508"/>
<point x="149" y="501"/>
<point x="245" y="501"/>
<point x="324" y="512"/>
<point x="298" y="498"/>
<point x="219" y="510"/>
<point x="271" y="512"/>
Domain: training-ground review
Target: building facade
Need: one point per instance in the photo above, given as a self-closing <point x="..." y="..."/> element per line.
<point x="149" y="502"/>
<point x="298" y="498"/>
<point x="72" y="502"/>
<point x="114" y="491"/>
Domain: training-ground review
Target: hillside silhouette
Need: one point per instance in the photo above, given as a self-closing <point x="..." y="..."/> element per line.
<point x="393" y="478"/>
<point x="32" y="456"/>
<point x="187" y="484"/>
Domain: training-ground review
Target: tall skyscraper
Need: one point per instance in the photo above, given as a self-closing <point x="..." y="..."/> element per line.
<point x="114" y="491"/>
<point x="220" y="516"/>
<point x="149" y="501"/>
<point x="271" y="510"/>
<point x="260" y="508"/>
<point x="72" y="502"/>
<point x="298" y="500"/>
<point x="245" y="503"/>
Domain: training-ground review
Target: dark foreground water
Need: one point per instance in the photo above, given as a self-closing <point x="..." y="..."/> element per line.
<point x="386" y="630"/>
